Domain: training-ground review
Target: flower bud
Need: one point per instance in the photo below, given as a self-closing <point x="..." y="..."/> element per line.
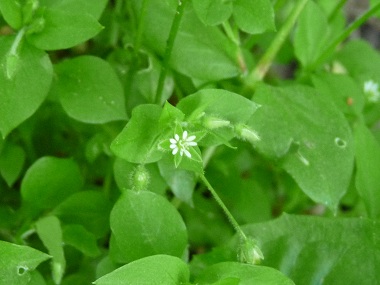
<point x="246" y="133"/>
<point x="211" y="122"/>
<point x="249" y="252"/>
<point x="140" y="178"/>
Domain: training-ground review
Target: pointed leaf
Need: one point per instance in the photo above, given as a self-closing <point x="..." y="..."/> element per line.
<point x="24" y="83"/>
<point x="135" y="145"/>
<point x="89" y="90"/>
<point x="50" y="232"/>
<point x="163" y="269"/>
<point x="367" y="151"/>
<point x="298" y="125"/>
<point x="245" y="273"/>
<point x="17" y="262"/>
<point x="145" y="223"/>
<point x="314" y="250"/>
<point x="254" y="17"/>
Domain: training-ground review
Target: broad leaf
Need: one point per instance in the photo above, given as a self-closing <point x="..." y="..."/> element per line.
<point x="12" y="158"/>
<point x="157" y="269"/>
<point x="311" y="34"/>
<point x="212" y="12"/>
<point x="367" y="151"/>
<point x="11" y="12"/>
<point x="199" y="51"/>
<point x="182" y="182"/>
<point x="254" y="17"/>
<point x="314" y="250"/>
<point x="343" y="90"/>
<point x="80" y="238"/>
<point x="93" y="215"/>
<point x="301" y="127"/>
<point x="217" y="111"/>
<point x="24" y="83"/>
<point x="89" y="90"/>
<point x="64" y="24"/>
<point x="136" y="146"/>
<point x="50" y="232"/>
<point x="144" y="224"/>
<point x="17" y="263"/>
<point x="49" y="181"/>
<point x="244" y="274"/>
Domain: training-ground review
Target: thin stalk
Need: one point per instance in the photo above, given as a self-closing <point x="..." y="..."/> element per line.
<point x="17" y="42"/>
<point x="140" y="27"/>
<point x="345" y="34"/>
<point x="266" y="61"/>
<point x="231" y="218"/>
<point x="169" y="48"/>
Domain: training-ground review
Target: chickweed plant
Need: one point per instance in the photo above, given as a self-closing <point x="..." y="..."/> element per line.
<point x="188" y="142"/>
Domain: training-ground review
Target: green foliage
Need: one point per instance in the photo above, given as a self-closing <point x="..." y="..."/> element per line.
<point x="188" y="142"/>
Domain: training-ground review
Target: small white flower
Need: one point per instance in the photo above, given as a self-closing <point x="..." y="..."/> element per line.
<point x="371" y="89"/>
<point x="182" y="145"/>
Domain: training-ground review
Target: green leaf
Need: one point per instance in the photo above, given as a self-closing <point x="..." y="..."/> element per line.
<point x="93" y="215"/>
<point x="49" y="181"/>
<point x="199" y="51"/>
<point x="342" y="89"/>
<point x="78" y="237"/>
<point x="159" y="269"/>
<point x="212" y="12"/>
<point x="136" y="146"/>
<point x="207" y="108"/>
<point x="182" y="182"/>
<point x="245" y="274"/>
<point x="17" y="262"/>
<point x="12" y="159"/>
<point x="314" y="250"/>
<point x="89" y="90"/>
<point x="311" y="34"/>
<point x="367" y="151"/>
<point x="254" y="17"/>
<point x="50" y="232"/>
<point x="301" y="127"/>
<point x="11" y="12"/>
<point x="361" y="67"/>
<point x="30" y="70"/>
<point x="94" y="8"/>
<point x="62" y="25"/>
<point x="145" y="223"/>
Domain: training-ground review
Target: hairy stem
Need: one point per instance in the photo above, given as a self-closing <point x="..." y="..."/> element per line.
<point x="169" y="47"/>
<point x="266" y="61"/>
<point x="231" y="218"/>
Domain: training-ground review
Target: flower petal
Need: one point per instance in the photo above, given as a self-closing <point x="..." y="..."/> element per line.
<point x="184" y="135"/>
<point x="191" y="138"/>
<point x="187" y="153"/>
<point x="176" y="137"/>
<point x="191" y="144"/>
<point x="173" y="146"/>
<point x="174" y="152"/>
<point x="173" y="141"/>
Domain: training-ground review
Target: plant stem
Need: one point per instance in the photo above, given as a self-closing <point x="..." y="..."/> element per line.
<point x="266" y="61"/>
<point x="140" y="27"/>
<point x="344" y="35"/>
<point x="169" y="47"/>
<point x="231" y="218"/>
<point x="17" y="42"/>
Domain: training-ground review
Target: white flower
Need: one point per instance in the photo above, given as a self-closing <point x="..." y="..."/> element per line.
<point x="371" y="89"/>
<point x="182" y="144"/>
